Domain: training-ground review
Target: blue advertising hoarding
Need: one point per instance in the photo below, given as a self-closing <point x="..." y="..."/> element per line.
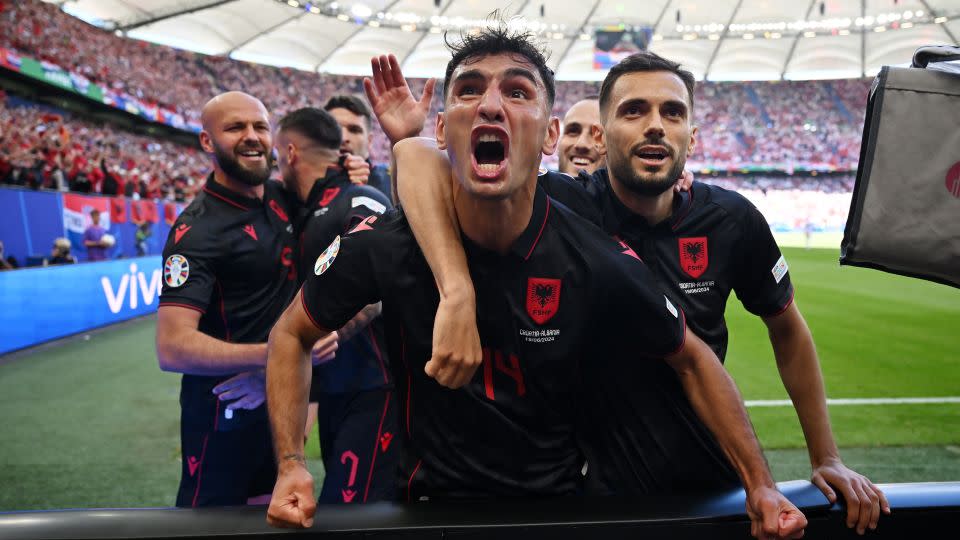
<point x="40" y="304"/>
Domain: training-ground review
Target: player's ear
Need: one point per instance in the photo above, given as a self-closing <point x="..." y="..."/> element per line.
<point x="552" y="138"/>
<point x="291" y="154"/>
<point x="441" y="136"/>
<point x="206" y="142"/>
<point x="693" y="141"/>
<point x="599" y="139"/>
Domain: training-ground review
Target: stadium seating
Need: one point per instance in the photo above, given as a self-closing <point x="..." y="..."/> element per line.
<point x="808" y="123"/>
<point x="744" y="126"/>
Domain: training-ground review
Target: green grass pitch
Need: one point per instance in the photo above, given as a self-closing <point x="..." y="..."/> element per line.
<point x="94" y="423"/>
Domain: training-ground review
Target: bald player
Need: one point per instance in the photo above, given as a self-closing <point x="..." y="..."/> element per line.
<point x="577" y="149"/>
<point x="228" y="274"/>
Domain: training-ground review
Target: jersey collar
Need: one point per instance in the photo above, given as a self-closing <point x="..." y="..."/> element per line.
<point x="335" y="176"/>
<point x="221" y="192"/>
<point x="524" y="245"/>
<point x="616" y="215"/>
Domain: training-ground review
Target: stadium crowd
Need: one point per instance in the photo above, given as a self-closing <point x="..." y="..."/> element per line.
<point x="46" y="148"/>
<point x="741" y="124"/>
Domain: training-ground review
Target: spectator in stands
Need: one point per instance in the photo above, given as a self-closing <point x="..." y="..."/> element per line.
<point x="144" y="232"/>
<point x="60" y="254"/>
<point x="93" y="238"/>
<point x="354" y="118"/>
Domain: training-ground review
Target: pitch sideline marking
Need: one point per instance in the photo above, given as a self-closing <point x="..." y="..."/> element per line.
<point x="858" y="401"/>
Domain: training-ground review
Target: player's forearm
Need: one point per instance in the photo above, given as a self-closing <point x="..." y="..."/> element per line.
<point x="424" y="186"/>
<point x="359" y="321"/>
<point x="192" y="352"/>
<point x="799" y="367"/>
<point x="718" y="403"/>
<point x="288" y="386"/>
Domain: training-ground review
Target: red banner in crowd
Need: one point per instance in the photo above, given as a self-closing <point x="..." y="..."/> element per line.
<point x="143" y="211"/>
<point x="171" y="211"/>
<point x="118" y="209"/>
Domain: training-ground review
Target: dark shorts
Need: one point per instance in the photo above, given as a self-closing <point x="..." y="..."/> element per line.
<point x="360" y="442"/>
<point x="225" y="468"/>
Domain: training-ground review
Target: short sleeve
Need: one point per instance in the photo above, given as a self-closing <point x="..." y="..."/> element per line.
<point x="342" y="280"/>
<point x="364" y="202"/>
<point x="762" y="277"/>
<point x="188" y="268"/>
<point x="635" y="308"/>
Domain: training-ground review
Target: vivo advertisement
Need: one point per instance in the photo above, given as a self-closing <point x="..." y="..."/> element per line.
<point x="40" y="304"/>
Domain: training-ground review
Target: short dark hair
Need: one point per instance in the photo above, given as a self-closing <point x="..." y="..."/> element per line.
<point x="500" y="39"/>
<point x="644" y="61"/>
<point x="314" y="124"/>
<point x="353" y="104"/>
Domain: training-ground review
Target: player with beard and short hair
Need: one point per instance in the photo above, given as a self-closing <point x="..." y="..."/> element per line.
<point x="577" y="150"/>
<point x="228" y="273"/>
<point x="702" y="245"/>
<point x="555" y="296"/>
<point x="352" y="394"/>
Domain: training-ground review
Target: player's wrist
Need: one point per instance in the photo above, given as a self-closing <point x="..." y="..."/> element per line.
<point x="458" y="291"/>
<point x="292" y="460"/>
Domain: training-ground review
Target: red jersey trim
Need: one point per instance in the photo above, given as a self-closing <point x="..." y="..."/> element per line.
<point x="188" y="306"/>
<point x="303" y="302"/>
<point x="224" y="199"/>
<point x="543" y="226"/>
<point x="376" y="444"/>
<point x="410" y="480"/>
<point x="784" y="308"/>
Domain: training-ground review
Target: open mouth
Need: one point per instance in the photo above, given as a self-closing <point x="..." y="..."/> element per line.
<point x="654" y="155"/>
<point x="581" y="161"/>
<point x="251" y="154"/>
<point x="490" y="148"/>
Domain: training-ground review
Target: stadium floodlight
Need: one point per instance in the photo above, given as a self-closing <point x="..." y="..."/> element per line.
<point x="940" y="20"/>
<point x="361" y="10"/>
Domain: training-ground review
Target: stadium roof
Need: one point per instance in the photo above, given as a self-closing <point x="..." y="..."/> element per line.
<point x="716" y="39"/>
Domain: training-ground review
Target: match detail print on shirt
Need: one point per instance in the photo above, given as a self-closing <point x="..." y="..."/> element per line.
<point x="780" y="269"/>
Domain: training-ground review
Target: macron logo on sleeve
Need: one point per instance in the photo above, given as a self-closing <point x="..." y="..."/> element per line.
<point x="179" y="232"/>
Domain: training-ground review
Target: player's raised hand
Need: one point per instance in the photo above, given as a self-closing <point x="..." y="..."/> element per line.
<point x="358" y="169"/>
<point x="292" y="505"/>
<point x="456" y="343"/>
<point x="399" y="113"/>
<point x="864" y="500"/>
<point x="773" y="516"/>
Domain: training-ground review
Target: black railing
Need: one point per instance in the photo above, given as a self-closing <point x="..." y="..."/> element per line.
<point x="919" y="511"/>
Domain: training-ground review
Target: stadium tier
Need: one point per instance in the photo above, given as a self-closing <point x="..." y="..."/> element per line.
<point x="782" y="126"/>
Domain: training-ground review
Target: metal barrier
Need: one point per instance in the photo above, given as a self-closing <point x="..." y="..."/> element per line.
<point x="919" y="511"/>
